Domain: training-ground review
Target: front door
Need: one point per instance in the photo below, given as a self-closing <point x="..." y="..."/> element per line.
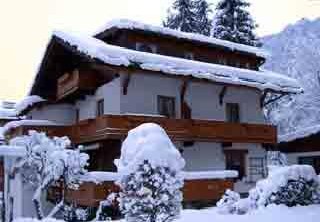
<point x="236" y="160"/>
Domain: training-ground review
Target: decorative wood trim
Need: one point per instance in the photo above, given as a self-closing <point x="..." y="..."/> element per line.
<point x="222" y="94"/>
<point x="125" y="84"/>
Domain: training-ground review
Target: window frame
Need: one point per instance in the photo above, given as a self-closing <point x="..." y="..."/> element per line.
<point x="159" y="109"/>
<point x="100" y="107"/>
<point x="229" y="112"/>
<point x="153" y="47"/>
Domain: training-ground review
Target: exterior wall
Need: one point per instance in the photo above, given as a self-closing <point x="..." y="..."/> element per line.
<point x="203" y="98"/>
<point x="178" y="48"/>
<point x="143" y="90"/>
<point x="203" y="156"/>
<point x="293" y="158"/>
<point x="61" y="113"/>
<point x="110" y="92"/>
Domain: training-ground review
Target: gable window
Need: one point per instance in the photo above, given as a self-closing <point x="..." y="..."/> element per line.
<point x="144" y="47"/>
<point x="232" y="113"/>
<point x="166" y="106"/>
<point x="189" y="55"/>
<point x="100" y="107"/>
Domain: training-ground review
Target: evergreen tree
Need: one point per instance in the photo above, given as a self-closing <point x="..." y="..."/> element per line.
<point x="182" y="16"/>
<point x="234" y="23"/>
<point x="203" y="12"/>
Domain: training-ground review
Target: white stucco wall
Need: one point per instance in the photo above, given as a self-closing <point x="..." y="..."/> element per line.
<point x="202" y="97"/>
<point x="143" y="91"/>
<point x="61" y="113"/>
<point x="203" y="156"/>
<point x="110" y="92"/>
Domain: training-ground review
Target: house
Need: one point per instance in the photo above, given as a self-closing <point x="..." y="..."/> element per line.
<point x="206" y="93"/>
<point x="302" y="147"/>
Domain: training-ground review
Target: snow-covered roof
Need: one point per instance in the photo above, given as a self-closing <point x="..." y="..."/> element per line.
<point x="12" y="151"/>
<point x="216" y="174"/>
<point x="15" y="124"/>
<point x="27" y="102"/>
<point x="299" y="134"/>
<point x="18" y="108"/>
<point x="118" y="56"/>
<point x="135" y="25"/>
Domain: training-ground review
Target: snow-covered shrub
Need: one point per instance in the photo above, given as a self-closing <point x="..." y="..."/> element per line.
<point x="107" y="208"/>
<point x="276" y="158"/>
<point x="36" y="220"/>
<point x="73" y="213"/>
<point x="48" y="160"/>
<point x="290" y="186"/>
<point x="150" y="176"/>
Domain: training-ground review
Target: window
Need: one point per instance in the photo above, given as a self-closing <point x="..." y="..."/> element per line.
<point x="189" y="55"/>
<point x="235" y="160"/>
<point x="77" y="115"/>
<point x="257" y="169"/>
<point x="100" y="107"/>
<point x="312" y="161"/>
<point x="233" y="112"/>
<point x="166" y="106"/>
<point x="143" y="47"/>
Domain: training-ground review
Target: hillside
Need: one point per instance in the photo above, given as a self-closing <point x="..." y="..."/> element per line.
<point x="296" y="52"/>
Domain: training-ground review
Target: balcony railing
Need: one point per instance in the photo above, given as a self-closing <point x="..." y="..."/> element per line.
<point x="117" y="126"/>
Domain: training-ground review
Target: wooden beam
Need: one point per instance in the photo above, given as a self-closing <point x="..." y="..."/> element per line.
<point x="222" y="94"/>
<point x="183" y="104"/>
<point x="125" y="84"/>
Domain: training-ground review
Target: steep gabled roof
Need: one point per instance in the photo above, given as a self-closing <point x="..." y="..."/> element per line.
<point x="118" y="56"/>
<point x="195" y="38"/>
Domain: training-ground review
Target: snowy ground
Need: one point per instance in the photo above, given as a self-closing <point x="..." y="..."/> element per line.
<point x="268" y="214"/>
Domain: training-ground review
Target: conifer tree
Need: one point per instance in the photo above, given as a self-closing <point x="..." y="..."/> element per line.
<point x="203" y="12"/>
<point x="182" y="16"/>
<point x="233" y="22"/>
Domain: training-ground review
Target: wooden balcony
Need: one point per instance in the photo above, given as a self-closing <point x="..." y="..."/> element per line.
<point x="79" y="83"/>
<point x="117" y="126"/>
<point x="90" y="194"/>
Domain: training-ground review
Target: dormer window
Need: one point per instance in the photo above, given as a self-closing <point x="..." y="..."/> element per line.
<point x="144" y="47"/>
<point x="189" y="55"/>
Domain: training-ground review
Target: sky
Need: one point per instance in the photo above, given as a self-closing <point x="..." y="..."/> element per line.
<point x="26" y="27"/>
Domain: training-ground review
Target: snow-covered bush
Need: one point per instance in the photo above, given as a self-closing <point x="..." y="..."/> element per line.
<point x="48" y="160"/>
<point x="150" y="176"/>
<point x="290" y="186"/>
<point x="276" y="158"/>
<point x="36" y="220"/>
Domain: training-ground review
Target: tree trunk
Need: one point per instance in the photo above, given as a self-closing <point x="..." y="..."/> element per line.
<point x="37" y="198"/>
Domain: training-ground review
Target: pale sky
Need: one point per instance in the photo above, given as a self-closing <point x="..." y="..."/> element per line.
<point x="26" y="26"/>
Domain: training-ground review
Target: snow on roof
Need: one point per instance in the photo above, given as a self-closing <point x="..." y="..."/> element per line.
<point x="12" y="151"/>
<point x="15" y="124"/>
<point x="13" y="113"/>
<point x="299" y="134"/>
<point x="100" y="177"/>
<point x="27" y="102"/>
<point x="118" y="56"/>
<point x="216" y="174"/>
<point x="135" y="25"/>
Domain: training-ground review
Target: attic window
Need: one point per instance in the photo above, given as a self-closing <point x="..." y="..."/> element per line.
<point x="144" y="47"/>
<point x="189" y="55"/>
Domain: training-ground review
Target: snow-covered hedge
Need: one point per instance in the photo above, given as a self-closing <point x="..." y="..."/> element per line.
<point x="150" y="176"/>
<point x="291" y="186"/>
<point x="36" y="220"/>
